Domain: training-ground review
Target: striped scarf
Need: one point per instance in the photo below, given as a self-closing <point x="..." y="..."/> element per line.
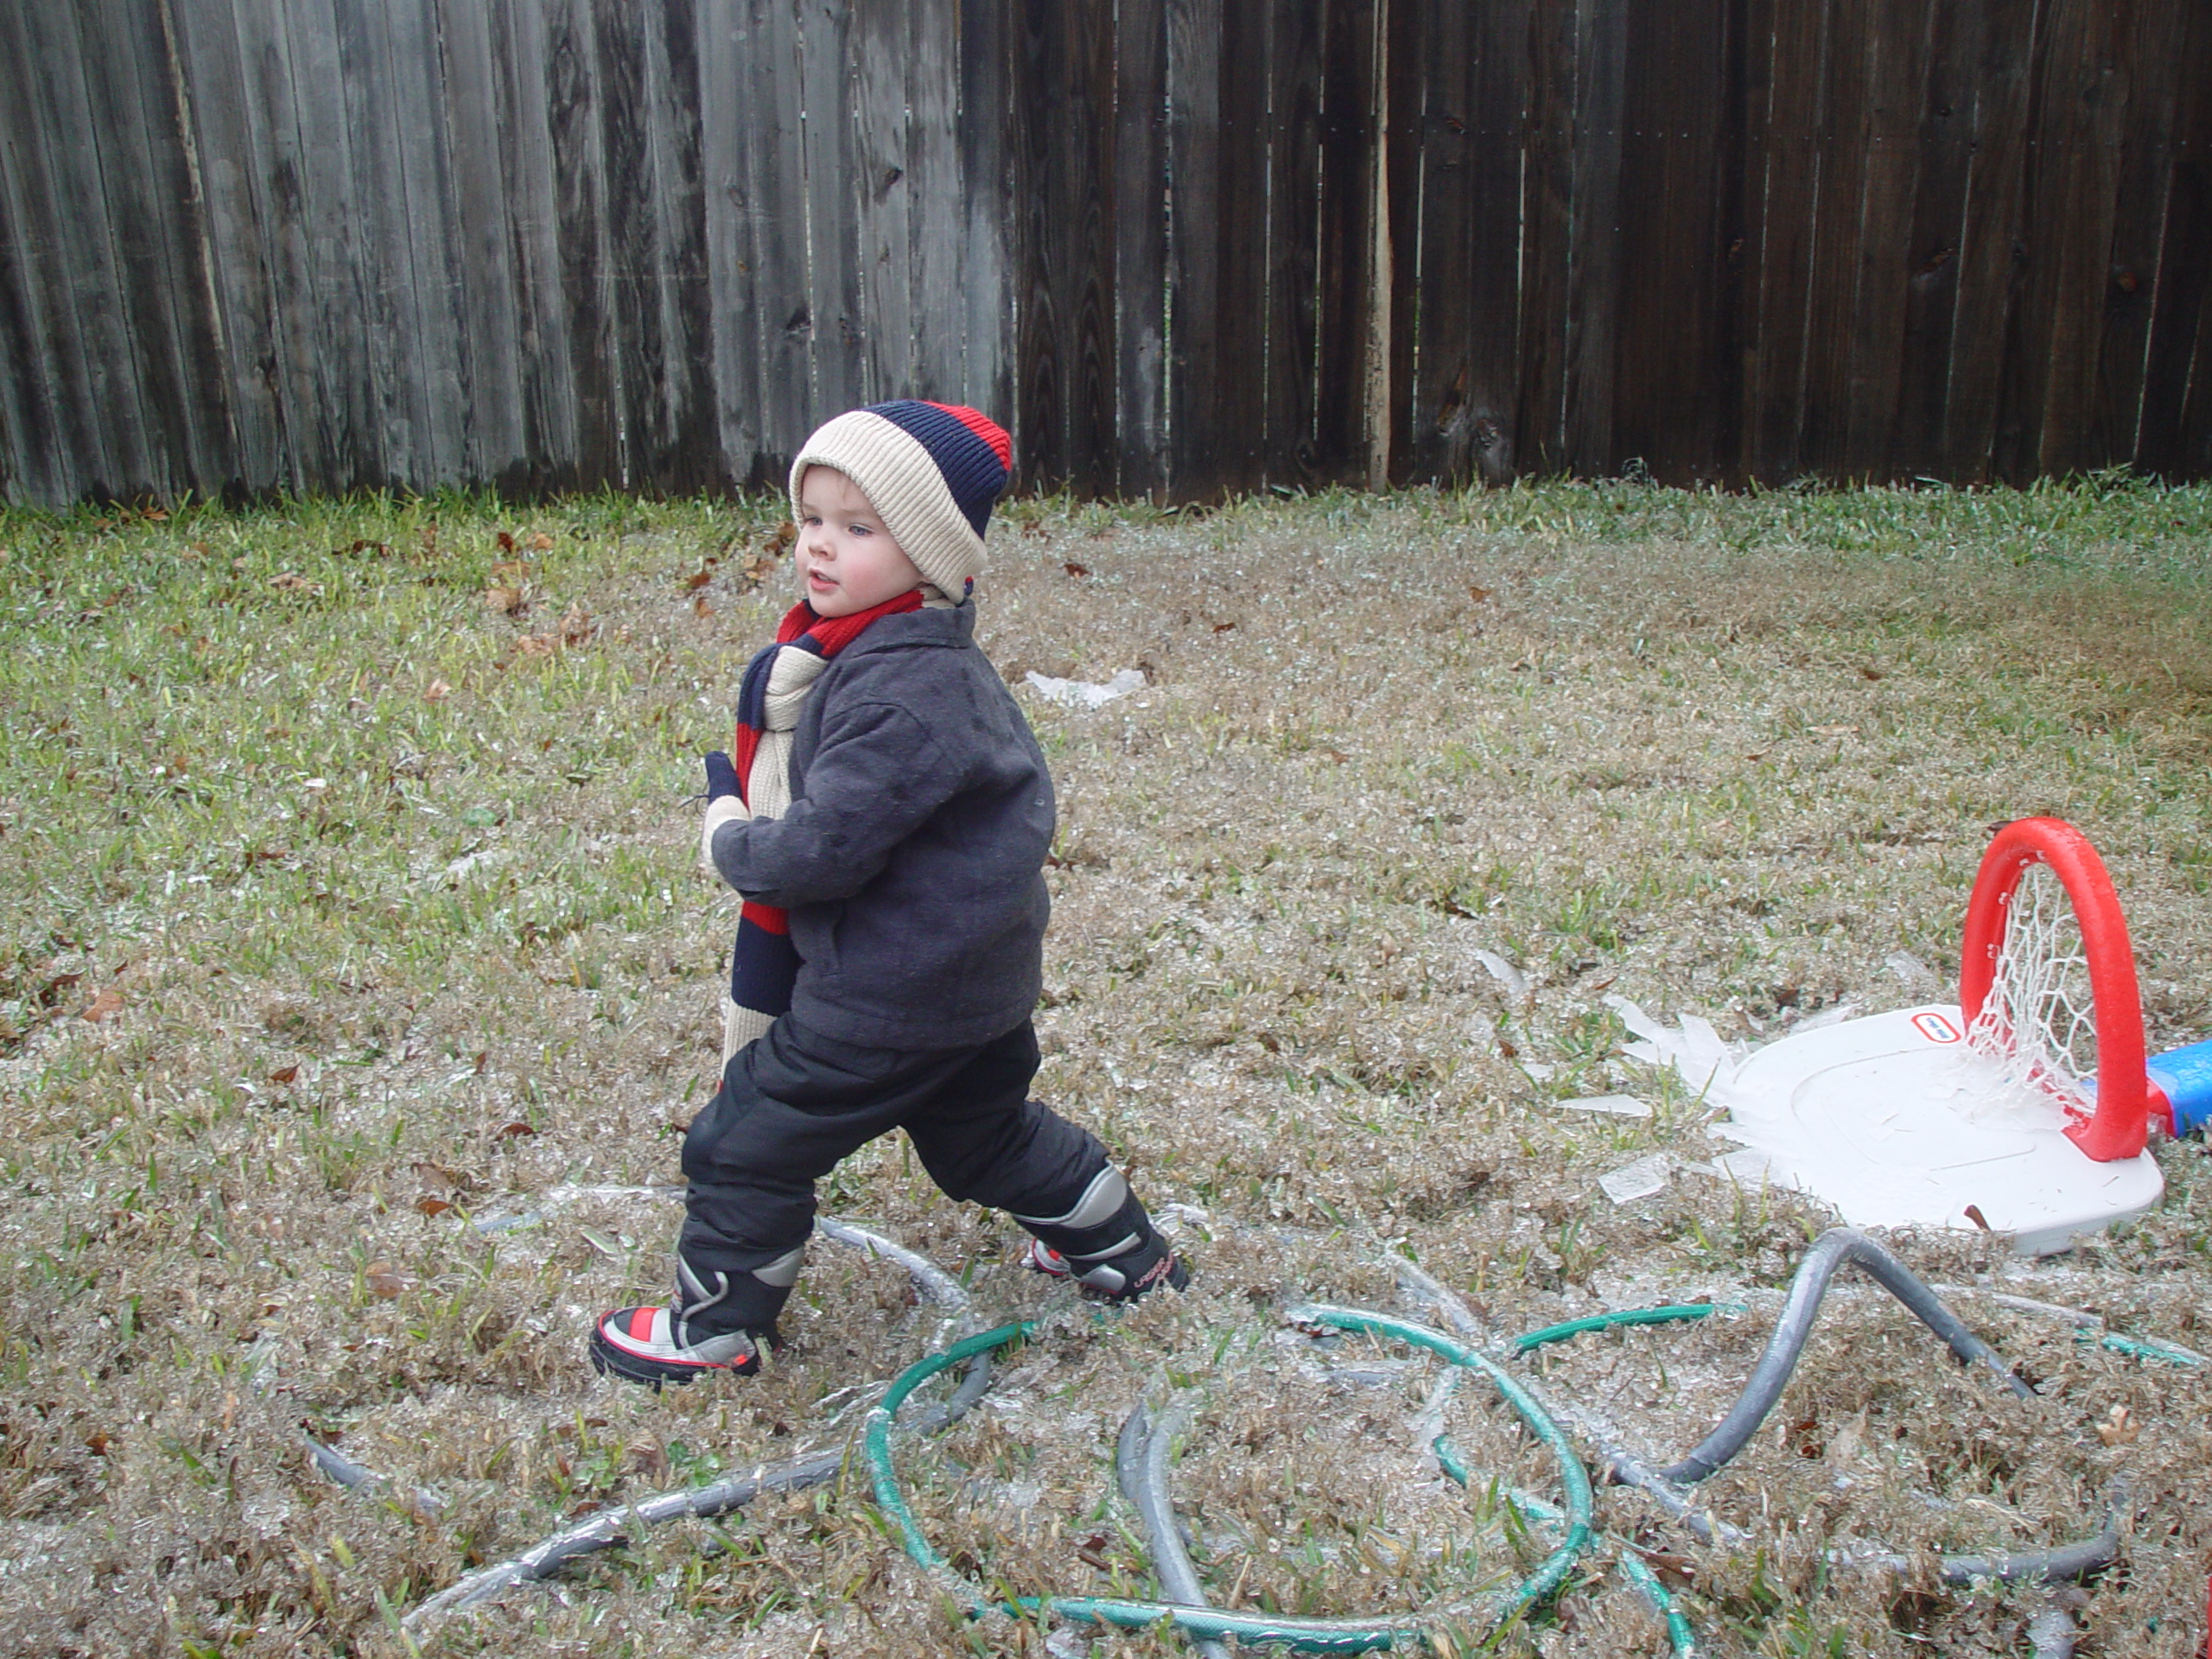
<point x="763" y="965"/>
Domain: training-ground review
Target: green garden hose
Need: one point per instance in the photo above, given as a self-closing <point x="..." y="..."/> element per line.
<point x="1307" y="1635"/>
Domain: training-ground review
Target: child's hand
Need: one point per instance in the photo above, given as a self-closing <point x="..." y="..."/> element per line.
<point x="723" y="805"/>
<point x="721" y="776"/>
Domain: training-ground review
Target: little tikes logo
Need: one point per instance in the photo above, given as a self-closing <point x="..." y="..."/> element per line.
<point x="1935" y="1028"/>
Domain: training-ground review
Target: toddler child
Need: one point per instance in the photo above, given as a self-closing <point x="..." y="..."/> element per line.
<point x="886" y="819"/>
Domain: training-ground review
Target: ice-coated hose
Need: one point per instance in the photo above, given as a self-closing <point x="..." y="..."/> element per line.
<point x="1200" y="1621"/>
<point x="1833" y="1249"/>
<point x="1620" y="1465"/>
<point x="611" y="1527"/>
<point x="2073" y="1560"/>
<point x="1141" y="1464"/>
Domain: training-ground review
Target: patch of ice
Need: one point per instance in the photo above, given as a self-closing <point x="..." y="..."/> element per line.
<point x="1505" y="974"/>
<point x="1617" y="1105"/>
<point x="1909" y="968"/>
<point x="1085" y="694"/>
<point x="1639" y="1180"/>
<point x="1706" y="1065"/>
<point x="1747" y="1166"/>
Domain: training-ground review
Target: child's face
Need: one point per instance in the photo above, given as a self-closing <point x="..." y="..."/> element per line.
<point x="846" y="560"/>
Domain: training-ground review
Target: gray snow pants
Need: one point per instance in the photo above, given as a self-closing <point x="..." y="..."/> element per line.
<point x="793" y="1103"/>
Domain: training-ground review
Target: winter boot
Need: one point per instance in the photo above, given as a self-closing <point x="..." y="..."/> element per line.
<point x="717" y="1322"/>
<point x="1106" y="1243"/>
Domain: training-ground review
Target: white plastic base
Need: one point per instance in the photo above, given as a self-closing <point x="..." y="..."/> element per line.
<point x="1897" y="1122"/>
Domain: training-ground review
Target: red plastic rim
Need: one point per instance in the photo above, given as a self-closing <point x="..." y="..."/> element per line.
<point x="2119" y="1125"/>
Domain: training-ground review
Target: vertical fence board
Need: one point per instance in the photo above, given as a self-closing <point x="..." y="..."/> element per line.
<point x="777" y="229"/>
<point x="1547" y="224"/>
<point x="483" y="291"/>
<point x="61" y="307"/>
<point x="1040" y="416"/>
<point x="987" y="207"/>
<point x="1446" y="122"/>
<point x="571" y="97"/>
<point x="726" y="43"/>
<point x="71" y="231"/>
<point x="1481" y="431"/>
<point x="832" y="225"/>
<point x="883" y="45"/>
<point x="2176" y="438"/>
<point x="1673" y="357"/>
<point x="1875" y="350"/>
<point x="1844" y="136"/>
<point x="694" y="459"/>
<point x="237" y="352"/>
<point x="1956" y="42"/>
<point x="122" y="90"/>
<point x="1140" y="247"/>
<point x="1241" y="253"/>
<point x="2144" y="141"/>
<point x="636" y="260"/>
<point x="1988" y="241"/>
<point x="931" y="254"/>
<point x="1594" y="255"/>
<point x="1349" y="140"/>
<point x="1294" y="133"/>
<point x="1786" y="191"/>
<point x="1194" y="354"/>
<point x="1084" y="212"/>
<point x="2085" y="102"/>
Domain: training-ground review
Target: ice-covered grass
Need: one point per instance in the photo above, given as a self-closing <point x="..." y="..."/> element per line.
<point x="363" y="832"/>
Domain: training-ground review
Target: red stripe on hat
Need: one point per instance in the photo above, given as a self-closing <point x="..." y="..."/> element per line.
<point x="985" y="428"/>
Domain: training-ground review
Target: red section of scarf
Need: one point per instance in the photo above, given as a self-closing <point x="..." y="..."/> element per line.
<point x="831" y="635"/>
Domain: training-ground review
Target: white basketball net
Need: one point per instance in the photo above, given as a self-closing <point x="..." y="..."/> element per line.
<point x="2039" y="1019"/>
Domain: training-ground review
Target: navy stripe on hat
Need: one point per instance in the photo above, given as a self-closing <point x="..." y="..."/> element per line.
<point x="972" y="469"/>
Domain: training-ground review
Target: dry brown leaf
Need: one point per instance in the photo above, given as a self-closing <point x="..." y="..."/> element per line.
<point x="292" y="581"/>
<point x="518" y="1127"/>
<point x="1478" y="595"/>
<point x="576" y="625"/>
<point x="782" y="536"/>
<point x="1223" y="628"/>
<point x="510" y="570"/>
<point x="541" y="543"/>
<point x="108" y="1003"/>
<point x="699" y="606"/>
<point x="506" y="541"/>
<point x="536" y="644"/>
<point x="1075" y="569"/>
<point x="383" y="1280"/>
<point x="430" y="1206"/>
<point x="699" y="578"/>
<point x="506" y="599"/>
<point x="436" y="692"/>
<point x="284" y="1074"/>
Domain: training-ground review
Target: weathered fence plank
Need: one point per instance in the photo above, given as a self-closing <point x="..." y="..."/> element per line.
<point x="1183" y="247"/>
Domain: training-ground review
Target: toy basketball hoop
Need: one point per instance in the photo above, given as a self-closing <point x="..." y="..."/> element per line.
<point x="2024" y="1107"/>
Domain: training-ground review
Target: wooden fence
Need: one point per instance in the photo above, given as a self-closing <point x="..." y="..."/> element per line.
<point x="1184" y="246"/>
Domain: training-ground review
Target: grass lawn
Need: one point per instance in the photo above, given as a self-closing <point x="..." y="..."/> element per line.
<point x="348" y="897"/>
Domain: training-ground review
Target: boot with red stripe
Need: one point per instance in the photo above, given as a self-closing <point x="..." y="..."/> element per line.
<point x="1105" y="1242"/>
<point x="718" y="1323"/>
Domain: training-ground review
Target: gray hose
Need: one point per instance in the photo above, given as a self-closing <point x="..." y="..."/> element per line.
<point x="612" y="1527"/>
<point x="1141" y="1461"/>
<point x="1834" y="1249"/>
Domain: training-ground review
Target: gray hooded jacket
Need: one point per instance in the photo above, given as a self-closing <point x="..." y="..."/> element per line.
<point x="912" y="859"/>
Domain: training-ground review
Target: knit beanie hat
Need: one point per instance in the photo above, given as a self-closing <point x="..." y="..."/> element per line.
<point x="932" y="470"/>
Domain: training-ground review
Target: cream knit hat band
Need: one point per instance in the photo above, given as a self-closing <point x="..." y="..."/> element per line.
<point x="907" y="485"/>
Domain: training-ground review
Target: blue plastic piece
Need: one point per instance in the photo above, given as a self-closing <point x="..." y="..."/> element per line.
<point x="2185" y="1074"/>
